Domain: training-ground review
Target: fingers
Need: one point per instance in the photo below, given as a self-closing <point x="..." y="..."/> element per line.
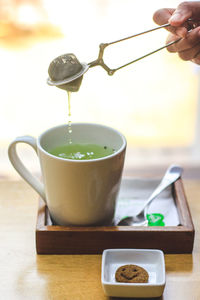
<point x="181" y="14"/>
<point x="178" y="18"/>
<point x="190" y="54"/>
<point x="163" y="15"/>
<point x="192" y="39"/>
<point x="187" y="48"/>
<point x="184" y="11"/>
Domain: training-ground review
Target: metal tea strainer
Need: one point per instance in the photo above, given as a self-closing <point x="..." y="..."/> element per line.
<point x="66" y="72"/>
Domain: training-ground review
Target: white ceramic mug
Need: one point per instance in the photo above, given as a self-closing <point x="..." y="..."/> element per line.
<point x="77" y="192"/>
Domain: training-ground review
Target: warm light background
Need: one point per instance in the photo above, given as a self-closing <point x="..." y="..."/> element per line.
<point x="153" y="102"/>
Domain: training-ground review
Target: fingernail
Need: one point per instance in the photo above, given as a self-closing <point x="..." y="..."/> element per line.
<point x="175" y="17"/>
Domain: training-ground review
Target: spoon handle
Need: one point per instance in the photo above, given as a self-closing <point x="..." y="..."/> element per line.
<point x="171" y="175"/>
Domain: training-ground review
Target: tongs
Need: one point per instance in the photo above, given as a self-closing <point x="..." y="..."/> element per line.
<point x="100" y="62"/>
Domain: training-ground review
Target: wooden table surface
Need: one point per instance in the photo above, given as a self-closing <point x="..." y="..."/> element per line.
<point x="26" y="275"/>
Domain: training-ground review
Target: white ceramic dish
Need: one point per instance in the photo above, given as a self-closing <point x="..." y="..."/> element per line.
<point x="151" y="260"/>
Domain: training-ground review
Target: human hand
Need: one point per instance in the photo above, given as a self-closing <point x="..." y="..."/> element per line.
<point x="188" y="48"/>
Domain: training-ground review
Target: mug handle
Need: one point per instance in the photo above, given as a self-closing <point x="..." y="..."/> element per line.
<point x="19" y="166"/>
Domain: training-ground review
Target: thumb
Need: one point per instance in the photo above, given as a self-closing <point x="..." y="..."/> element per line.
<point x="185" y="11"/>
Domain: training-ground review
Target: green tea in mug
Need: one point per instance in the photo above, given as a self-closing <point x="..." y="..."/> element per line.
<point x="81" y="151"/>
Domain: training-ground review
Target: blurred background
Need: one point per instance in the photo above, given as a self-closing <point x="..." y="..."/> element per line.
<point x="154" y="102"/>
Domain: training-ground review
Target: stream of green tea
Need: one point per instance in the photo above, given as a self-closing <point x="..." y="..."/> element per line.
<point x="69" y="118"/>
<point x="79" y="151"/>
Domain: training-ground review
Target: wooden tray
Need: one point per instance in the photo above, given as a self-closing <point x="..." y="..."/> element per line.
<point x="53" y="239"/>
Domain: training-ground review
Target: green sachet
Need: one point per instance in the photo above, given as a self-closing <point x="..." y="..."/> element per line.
<point x="155" y="219"/>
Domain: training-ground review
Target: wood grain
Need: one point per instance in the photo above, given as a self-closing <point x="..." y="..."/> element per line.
<point x="26" y="275"/>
